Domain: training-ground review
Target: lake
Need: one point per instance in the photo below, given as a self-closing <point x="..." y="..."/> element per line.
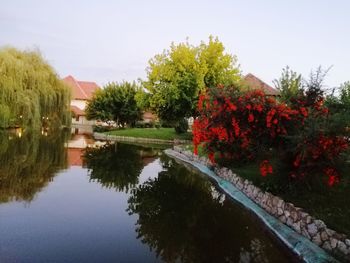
<point x="63" y="202"/>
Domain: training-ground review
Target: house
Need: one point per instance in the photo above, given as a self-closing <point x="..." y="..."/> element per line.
<point x="82" y="92"/>
<point x="254" y="82"/>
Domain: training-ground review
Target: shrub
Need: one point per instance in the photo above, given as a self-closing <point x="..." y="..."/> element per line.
<point x="182" y="126"/>
<point x="246" y="126"/>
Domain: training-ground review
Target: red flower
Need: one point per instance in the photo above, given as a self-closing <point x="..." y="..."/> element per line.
<point x="211" y="157"/>
<point x="265" y="168"/>
<point x="250" y="117"/>
<point x="303" y="111"/>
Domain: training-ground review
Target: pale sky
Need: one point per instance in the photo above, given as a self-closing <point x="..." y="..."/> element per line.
<point x="106" y="41"/>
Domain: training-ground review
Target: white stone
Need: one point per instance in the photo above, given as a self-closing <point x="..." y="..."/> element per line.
<point x="327" y="246"/>
<point x="308" y="219"/>
<point x="279" y="211"/>
<point x="330" y="232"/>
<point x="342" y="247"/>
<point x="312" y="229"/>
<point x="289" y="222"/>
<point x="294" y="215"/>
<point x="317" y="239"/>
<point x="320" y="224"/>
<point x="280" y="203"/>
<point x="324" y="236"/>
<point x="333" y="242"/>
<point x="296" y="227"/>
<point x="286" y="213"/>
<point x="347" y="242"/>
<point x="283" y="219"/>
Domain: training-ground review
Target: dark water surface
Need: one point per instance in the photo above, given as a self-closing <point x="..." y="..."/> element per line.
<point x="119" y="203"/>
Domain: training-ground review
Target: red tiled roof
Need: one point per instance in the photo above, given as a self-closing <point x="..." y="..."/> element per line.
<point x="256" y="83"/>
<point x="81" y="90"/>
<point x="77" y="111"/>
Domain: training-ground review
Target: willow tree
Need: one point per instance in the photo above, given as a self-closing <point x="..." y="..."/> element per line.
<point x="30" y="91"/>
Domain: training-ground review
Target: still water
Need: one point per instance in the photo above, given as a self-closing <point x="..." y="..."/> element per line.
<point x="60" y="202"/>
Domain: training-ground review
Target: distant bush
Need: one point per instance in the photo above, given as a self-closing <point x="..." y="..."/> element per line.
<point x="99" y="128"/>
<point x="182" y="126"/>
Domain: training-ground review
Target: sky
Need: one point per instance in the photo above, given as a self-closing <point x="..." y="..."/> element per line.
<point x="105" y="41"/>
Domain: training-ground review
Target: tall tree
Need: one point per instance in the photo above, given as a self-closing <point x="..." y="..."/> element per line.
<point x="117" y="102"/>
<point x="30" y="91"/>
<point x="176" y="76"/>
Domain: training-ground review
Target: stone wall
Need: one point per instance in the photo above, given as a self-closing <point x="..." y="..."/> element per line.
<point x="294" y="217"/>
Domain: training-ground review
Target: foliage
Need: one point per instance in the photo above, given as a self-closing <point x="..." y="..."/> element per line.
<point x="30" y="91"/>
<point x="117" y="102"/>
<point x="289" y="84"/>
<point x="176" y="76"/>
<point x="339" y="107"/>
<point x="28" y="162"/>
<point x="182" y="126"/>
<point x="246" y="126"/>
<point x="116" y="165"/>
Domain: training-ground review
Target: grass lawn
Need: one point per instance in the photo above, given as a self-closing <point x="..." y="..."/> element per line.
<point x="330" y="204"/>
<point x="152" y="133"/>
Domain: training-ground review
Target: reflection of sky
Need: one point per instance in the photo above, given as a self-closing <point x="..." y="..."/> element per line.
<point x="113" y="40"/>
<point x="72" y="220"/>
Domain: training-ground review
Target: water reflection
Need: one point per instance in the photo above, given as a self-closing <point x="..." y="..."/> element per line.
<point x="184" y="219"/>
<point x="118" y="165"/>
<point x="28" y="161"/>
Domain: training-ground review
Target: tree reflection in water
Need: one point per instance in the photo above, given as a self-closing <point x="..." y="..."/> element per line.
<point x="183" y="218"/>
<point x="28" y="161"/>
<point x="117" y="165"/>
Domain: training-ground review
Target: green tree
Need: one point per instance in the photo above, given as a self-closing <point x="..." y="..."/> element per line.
<point x="30" y="91"/>
<point x="175" y="77"/>
<point x="289" y="84"/>
<point x="117" y="102"/>
<point x="339" y="107"/>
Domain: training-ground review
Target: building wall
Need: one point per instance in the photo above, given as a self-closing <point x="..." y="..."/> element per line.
<point x="82" y="121"/>
<point x="81" y="104"/>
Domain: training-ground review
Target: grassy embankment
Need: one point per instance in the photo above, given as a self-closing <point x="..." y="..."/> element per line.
<point x="152" y="133"/>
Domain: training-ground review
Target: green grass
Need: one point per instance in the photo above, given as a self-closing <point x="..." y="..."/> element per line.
<point x="152" y="133"/>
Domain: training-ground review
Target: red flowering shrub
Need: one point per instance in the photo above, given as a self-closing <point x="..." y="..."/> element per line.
<point x="244" y="126"/>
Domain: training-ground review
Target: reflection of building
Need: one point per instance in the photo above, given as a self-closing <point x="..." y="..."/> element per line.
<point x="255" y="83"/>
<point x="76" y="148"/>
<point x="82" y="92"/>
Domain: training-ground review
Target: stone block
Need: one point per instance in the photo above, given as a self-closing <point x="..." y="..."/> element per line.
<point x="342" y="247"/>
<point x="317" y="239"/>
<point x="333" y="242"/>
<point x="347" y="242"/>
<point x="312" y="229"/>
<point x="296" y="227"/>
<point x="283" y="219"/>
<point x="324" y="236"/>
<point x="290" y="222"/>
<point x="279" y="211"/>
<point x="320" y="224"/>
<point x="327" y="246"/>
